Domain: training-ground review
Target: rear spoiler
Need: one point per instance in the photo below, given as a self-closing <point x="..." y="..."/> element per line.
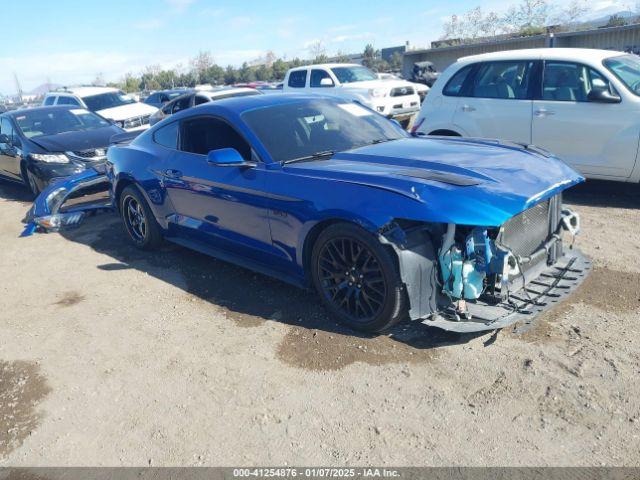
<point x="124" y="138"/>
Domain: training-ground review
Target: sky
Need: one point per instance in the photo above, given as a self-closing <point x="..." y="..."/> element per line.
<point x="72" y="41"/>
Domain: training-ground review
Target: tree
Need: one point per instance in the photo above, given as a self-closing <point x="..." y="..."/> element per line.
<point x="201" y="63"/>
<point x="246" y="74"/>
<point x="616" y="21"/>
<point x="279" y="69"/>
<point x="370" y="56"/>
<point x="396" y="61"/>
<point x="572" y="13"/>
<point x="130" y="83"/>
<point x="317" y="52"/>
<point x="230" y="75"/>
<point x="98" y="81"/>
<point x="526" y="15"/>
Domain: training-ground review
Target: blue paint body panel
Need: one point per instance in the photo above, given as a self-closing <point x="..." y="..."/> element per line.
<point x="264" y="214"/>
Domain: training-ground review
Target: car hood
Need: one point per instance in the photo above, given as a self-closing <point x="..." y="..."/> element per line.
<point x="130" y="110"/>
<point x="76" y="141"/>
<point x="369" y="84"/>
<point x="462" y="181"/>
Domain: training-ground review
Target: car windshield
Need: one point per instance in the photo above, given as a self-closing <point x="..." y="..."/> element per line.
<point x="315" y="128"/>
<point x="353" y="74"/>
<point x="39" y="123"/>
<point x="107" y="100"/>
<point x="627" y="69"/>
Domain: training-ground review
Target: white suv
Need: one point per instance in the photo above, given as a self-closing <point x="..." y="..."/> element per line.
<point x="395" y="99"/>
<point x="580" y="104"/>
<point x="110" y="103"/>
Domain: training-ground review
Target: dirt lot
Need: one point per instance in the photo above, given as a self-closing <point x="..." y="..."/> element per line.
<point x="111" y="356"/>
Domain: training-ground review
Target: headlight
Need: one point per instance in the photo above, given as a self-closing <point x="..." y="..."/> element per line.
<point x="378" y="92"/>
<point x="50" y="157"/>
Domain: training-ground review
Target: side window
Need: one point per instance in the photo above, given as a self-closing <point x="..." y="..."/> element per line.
<point x="153" y="98"/>
<point x="7" y="129"/>
<point x="167" y="136"/>
<point x="181" y="104"/>
<point x="298" y="79"/>
<point x="453" y="88"/>
<point x="200" y="99"/>
<point x="67" y="101"/>
<point x="316" y="79"/>
<point x="571" y="82"/>
<point x="201" y="135"/>
<point x="49" y="100"/>
<point x="503" y="80"/>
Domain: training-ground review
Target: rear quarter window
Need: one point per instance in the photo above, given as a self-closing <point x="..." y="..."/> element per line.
<point x="453" y="88"/>
<point x="298" y="79"/>
<point x="167" y="136"/>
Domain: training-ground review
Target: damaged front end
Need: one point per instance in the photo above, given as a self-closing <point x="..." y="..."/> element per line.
<point x="67" y="202"/>
<point x="470" y="278"/>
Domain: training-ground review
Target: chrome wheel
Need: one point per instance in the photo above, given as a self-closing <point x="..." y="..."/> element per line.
<point x="135" y="219"/>
<point x="351" y="279"/>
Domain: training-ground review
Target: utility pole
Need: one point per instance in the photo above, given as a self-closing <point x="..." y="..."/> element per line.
<point x="18" y="87"/>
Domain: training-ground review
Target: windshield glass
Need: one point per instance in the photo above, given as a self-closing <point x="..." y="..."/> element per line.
<point x="107" y="100"/>
<point x="52" y="122"/>
<point x="353" y="74"/>
<point x="308" y="127"/>
<point x="627" y="69"/>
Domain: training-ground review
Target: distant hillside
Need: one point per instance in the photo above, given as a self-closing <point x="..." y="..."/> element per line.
<point x="42" y="89"/>
<point x="602" y="21"/>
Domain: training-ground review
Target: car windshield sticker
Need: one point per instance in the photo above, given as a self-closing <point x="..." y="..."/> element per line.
<point x="355" y="109"/>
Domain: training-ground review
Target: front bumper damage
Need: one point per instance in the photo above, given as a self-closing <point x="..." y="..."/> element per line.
<point x="66" y="202"/>
<point x="471" y="280"/>
<point x="544" y="289"/>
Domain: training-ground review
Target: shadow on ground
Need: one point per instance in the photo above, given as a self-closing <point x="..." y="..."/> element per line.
<point x="598" y="193"/>
<point x="15" y="192"/>
<point x="252" y="299"/>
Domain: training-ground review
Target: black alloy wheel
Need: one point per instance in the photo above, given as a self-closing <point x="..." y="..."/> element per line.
<point x="357" y="278"/>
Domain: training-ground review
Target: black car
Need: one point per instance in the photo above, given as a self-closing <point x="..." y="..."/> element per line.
<point x="40" y="145"/>
<point x="162" y="97"/>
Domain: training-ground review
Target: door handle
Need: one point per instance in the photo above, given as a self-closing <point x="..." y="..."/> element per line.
<point x="173" y="173"/>
<point x="543" y="112"/>
<point x="468" y="108"/>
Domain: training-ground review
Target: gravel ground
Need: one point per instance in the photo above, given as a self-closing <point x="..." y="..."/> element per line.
<point x="111" y="356"/>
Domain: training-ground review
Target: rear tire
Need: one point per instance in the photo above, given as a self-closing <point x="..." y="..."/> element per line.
<point x="137" y="218"/>
<point x="357" y="278"/>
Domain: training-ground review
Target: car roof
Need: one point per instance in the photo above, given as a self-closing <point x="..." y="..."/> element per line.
<point x="569" y="54"/>
<point x="326" y="65"/>
<point x="240" y="105"/>
<point x="83" y="91"/>
<point x="14" y="113"/>
<point x="226" y="91"/>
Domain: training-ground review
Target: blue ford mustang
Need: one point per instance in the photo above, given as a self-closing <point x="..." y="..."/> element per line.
<point x="461" y="234"/>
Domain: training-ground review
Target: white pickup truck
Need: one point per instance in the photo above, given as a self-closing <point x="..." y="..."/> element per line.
<point x="395" y="99"/>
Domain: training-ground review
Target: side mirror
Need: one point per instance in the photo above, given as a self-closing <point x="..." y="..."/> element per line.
<point x="326" y="82"/>
<point x="603" y="95"/>
<point x="4" y="138"/>
<point x="227" y="157"/>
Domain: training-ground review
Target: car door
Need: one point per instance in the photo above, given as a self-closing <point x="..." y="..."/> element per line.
<point x="496" y="102"/>
<point x="597" y="139"/>
<point x="222" y="206"/>
<point x="10" y="150"/>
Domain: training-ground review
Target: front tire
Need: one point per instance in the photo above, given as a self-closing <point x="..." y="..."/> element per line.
<point x="29" y="180"/>
<point x="357" y="278"/>
<point x="137" y="218"/>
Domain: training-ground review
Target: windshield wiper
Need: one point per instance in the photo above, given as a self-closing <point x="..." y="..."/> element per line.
<point x="315" y="156"/>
